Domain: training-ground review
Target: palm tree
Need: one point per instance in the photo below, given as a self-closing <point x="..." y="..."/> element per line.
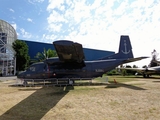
<point x="44" y="55"/>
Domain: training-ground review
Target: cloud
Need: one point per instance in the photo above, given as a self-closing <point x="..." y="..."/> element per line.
<point x="24" y="34"/>
<point x="80" y="20"/>
<point x="48" y="37"/>
<point x="99" y="24"/>
<point x="55" y="4"/>
<point x="11" y="10"/>
<point x="55" y="27"/>
<point x="56" y="17"/>
<point x="35" y="1"/>
<point x="14" y="25"/>
<point x="29" y="20"/>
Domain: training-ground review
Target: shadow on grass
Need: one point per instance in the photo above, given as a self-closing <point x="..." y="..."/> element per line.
<point x="35" y="106"/>
<point x="126" y="76"/>
<point x="116" y="85"/>
<point x="111" y="85"/>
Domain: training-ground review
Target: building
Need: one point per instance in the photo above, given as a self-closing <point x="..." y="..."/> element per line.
<point x="7" y="54"/>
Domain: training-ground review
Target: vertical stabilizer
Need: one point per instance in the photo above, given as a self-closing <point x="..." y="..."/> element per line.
<point x="125" y="49"/>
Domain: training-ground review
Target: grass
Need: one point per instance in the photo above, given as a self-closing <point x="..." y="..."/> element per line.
<point x="34" y="104"/>
<point x="79" y="102"/>
<point x="117" y="78"/>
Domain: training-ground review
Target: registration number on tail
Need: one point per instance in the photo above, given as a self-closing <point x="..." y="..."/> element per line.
<point x="99" y="70"/>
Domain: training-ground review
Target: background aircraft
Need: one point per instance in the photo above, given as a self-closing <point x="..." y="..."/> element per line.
<point x="152" y="69"/>
<point x="146" y="72"/>
<point x="70" y="64"/>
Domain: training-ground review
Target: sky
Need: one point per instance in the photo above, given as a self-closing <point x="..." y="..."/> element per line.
<point x="96" y="24"/>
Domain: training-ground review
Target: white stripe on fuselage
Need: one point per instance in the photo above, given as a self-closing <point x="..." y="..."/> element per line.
<point x="101" y="60"/>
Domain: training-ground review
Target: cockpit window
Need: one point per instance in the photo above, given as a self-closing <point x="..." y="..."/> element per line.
<point x="32" y="68"/>
<point x="37" y="67"/>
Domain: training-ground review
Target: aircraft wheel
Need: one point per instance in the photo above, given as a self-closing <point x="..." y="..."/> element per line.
<point x="25" y="83"/>
<point x="70" y="82"/>
<point x="144" y="75"/>
<point x="147" y="76"/>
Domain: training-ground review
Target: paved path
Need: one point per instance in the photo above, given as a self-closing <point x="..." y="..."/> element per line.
<point x="8" y="78"/>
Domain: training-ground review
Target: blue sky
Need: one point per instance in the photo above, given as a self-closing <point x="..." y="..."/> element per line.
<point x="93" y="23"/>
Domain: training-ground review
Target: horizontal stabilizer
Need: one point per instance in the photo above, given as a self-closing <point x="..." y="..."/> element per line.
<point x="134" y="59"/>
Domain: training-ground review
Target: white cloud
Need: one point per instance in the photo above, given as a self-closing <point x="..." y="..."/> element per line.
<point x="99" y="25"/>
<point x="11" y="10"/>
<point x="56" y="17"/>
<point x="35" y="1"/>
<point x="29" y="20"/>
<point x="48" y="38"/>
<point x="39" y="1"/>
<point x="55" y="4"/>
<point x="14" y="25"/>
<point x="54" y="27"/>
<point x="24" y="34"/>
<point x="96" y="4"/>
<point x="81" y="11"/>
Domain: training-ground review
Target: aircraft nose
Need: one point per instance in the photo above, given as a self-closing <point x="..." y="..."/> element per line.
<point x="20" y="75"/>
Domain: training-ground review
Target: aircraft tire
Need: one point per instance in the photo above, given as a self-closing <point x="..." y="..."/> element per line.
<point x="70" y="82"/>
<point x="144" y="75"/>
<point x="25" y="83"/>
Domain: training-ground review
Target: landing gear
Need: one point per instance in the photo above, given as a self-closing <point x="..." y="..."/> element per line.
<point x="71" y="82"/>
<point x="146" y="75"/>
<point x="25" y="83"/>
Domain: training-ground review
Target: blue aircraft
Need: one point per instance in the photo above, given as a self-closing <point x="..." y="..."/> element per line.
<point x="70" y="64"/>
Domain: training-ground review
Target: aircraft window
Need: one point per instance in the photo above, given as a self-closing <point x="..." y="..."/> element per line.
<point x="32" y="69"/>
<point x="44" y="68"/>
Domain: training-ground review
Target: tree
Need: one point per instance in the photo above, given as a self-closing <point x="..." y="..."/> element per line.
<point x="22" y="56"/>
<point x="45" y="55"/>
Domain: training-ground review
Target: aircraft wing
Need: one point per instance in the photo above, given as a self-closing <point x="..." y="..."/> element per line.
<point x="135" y="69"/>
<point x="134" y="59"/>
<point x="69" y="51"/>
<point x="141" y="70"/>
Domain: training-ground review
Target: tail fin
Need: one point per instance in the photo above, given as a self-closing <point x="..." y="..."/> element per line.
<point x="125" y="49"/>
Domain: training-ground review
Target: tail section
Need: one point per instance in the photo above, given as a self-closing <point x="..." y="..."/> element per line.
<point x="125" y="49"/>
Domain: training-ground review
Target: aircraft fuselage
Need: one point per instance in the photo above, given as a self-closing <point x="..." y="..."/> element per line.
<point x="91" y="69"/>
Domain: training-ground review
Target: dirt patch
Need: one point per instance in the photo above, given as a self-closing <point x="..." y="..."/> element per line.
<point x="138" y="99"/>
